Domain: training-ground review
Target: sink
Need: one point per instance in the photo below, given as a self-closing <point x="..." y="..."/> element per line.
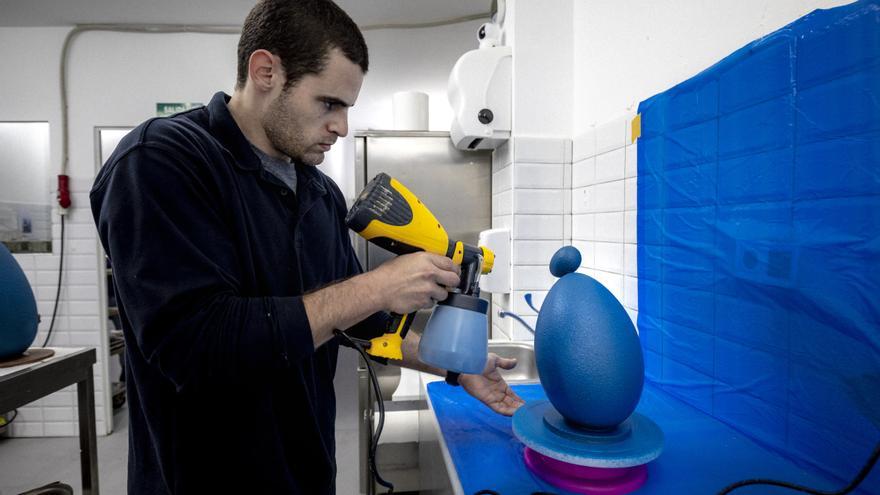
<point x="524" y="352"/>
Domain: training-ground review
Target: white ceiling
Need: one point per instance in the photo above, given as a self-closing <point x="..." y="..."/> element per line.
<point x="216" y="12"/>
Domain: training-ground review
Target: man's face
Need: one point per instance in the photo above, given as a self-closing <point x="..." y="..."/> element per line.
<point x="306" y="119"/>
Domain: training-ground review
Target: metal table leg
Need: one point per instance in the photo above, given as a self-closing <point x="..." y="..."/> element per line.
<point x="88" y="443"/>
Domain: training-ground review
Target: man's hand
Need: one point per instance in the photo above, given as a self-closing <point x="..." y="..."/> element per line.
<point x="491" y="389"/>
<point x="415" y="281"/>
<point x="402" y="285"/>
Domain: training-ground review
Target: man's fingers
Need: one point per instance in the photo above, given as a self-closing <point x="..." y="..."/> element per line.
<point x="506" y="363"/>
<point x="508" y="406"/>
<point x="448" y="279"/>
<point x="506" y="411"/>
<point x="439" y="293"/>
<point x="513" y="401"/>
<point x="443" y="272"/>
<point x="442" y="262"/>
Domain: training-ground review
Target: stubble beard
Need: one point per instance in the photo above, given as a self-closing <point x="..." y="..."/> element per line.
<point x="285" y="133"/>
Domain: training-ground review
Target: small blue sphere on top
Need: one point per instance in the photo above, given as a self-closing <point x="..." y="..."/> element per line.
<point x="566" y="260"/>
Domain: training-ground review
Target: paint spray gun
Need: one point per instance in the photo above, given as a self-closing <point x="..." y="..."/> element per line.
<point x="387" y="214"/>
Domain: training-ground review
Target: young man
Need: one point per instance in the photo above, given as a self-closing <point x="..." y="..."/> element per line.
<point x="233" y="267"/>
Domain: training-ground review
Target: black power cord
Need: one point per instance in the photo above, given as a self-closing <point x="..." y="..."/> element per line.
<point x="863" y="473"/>
<point x="359" y="345"/>
<point x="58" y="291"/>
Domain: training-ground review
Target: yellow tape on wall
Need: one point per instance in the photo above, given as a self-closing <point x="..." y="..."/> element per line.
<point x="636" y="127"/>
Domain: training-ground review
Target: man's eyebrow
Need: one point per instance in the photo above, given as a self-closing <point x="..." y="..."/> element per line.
<point x="334" y="100"/>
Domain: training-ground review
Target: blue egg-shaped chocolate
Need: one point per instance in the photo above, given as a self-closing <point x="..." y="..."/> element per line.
<point x="587" y="351"/>
<point x="18" y="309"/>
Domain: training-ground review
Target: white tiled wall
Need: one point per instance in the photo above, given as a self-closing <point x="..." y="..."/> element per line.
<point x="77" y="323"/>
<point x="502" y="217"/>
<point x="603" y="198"/>
<point x="531" y="196"/>
<point x="554" y="192"/>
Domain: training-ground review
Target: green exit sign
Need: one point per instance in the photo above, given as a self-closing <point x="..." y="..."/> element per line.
<point x="166" y="109"/>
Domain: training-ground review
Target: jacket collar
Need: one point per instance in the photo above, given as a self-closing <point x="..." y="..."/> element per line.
<point x="223" y="125"/>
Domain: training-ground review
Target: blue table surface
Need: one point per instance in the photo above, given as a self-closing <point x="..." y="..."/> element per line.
<point x="701" y="455"/>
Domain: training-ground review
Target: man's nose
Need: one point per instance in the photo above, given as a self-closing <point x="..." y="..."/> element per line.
<point x="339" y="125"/>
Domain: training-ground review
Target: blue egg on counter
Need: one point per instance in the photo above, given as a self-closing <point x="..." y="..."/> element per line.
<point x="587" y="351"/>
<point x="18" y="309"/>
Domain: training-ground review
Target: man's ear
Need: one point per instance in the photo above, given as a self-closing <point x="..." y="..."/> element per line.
<point x="264" y="70"/>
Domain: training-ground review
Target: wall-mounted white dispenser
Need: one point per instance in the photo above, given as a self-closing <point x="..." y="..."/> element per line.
<point x="498" y="280"/>
<point x="480" y="96"/>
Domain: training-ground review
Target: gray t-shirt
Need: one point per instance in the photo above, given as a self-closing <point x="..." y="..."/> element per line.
<point x="282" y="168"/>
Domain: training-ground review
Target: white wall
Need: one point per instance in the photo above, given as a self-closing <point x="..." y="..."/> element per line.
<point x="541" y="34"/>
<point x="625" y="52"/>
<point x="401" y="60"/>
<point x="411" y="60"/>
<point x="531" y="175"/>
<point x="603" y="206"/>
<point x="30" y="93"/>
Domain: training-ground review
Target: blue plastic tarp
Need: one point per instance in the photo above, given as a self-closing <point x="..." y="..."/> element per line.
<point x="759" y="239"/>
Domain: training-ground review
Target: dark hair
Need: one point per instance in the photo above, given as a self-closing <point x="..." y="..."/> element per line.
<point x="302" y="33"/>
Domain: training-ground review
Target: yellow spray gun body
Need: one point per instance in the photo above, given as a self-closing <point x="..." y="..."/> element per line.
<point x="387" y="214"/>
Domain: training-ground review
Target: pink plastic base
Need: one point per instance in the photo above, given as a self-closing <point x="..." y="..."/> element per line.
<point x="585" y="479"/>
